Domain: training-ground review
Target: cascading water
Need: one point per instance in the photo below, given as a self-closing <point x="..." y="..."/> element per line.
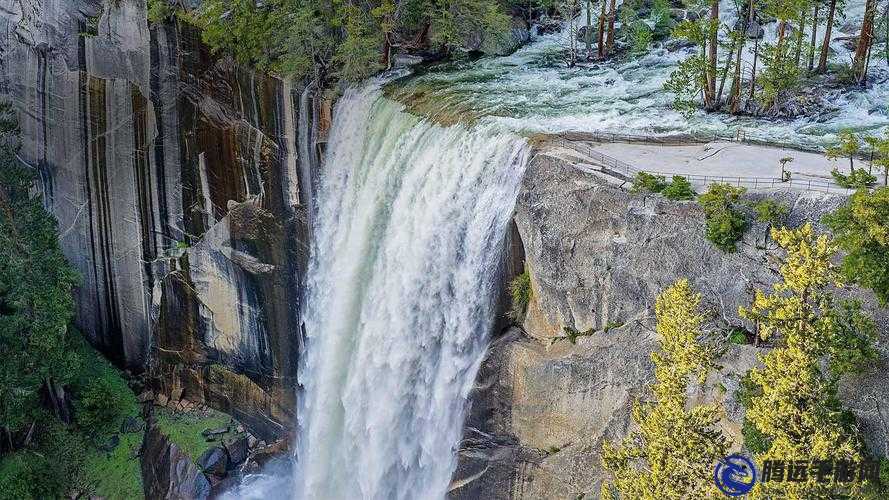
<point x="409" y="224"/>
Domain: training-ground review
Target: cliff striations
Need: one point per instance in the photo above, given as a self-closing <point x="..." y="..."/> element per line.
<point x="181" y="183"/>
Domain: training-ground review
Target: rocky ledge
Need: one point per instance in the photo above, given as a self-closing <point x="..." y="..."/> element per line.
<point x="598" y="256"/>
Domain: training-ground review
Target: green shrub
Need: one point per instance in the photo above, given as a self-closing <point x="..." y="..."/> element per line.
<point x="26" y="475"/>
<point x="737" y="336"/>
<point x="102" y="405"/>
<point x="861" y="228"/>
<point x="858" y="179"/>
<point x="725" y="223"/>
<point x="679" y="190"/>
<point x="520" y="291"/>
<point x="645" y="182"/>
<point x="754" y="440"/>
<point x="158" y="10"/>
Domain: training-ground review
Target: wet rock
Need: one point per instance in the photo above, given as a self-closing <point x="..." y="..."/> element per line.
<point x="167" y="472"/>
<point x="214" y="461"/>
<point x="237" y="449"/>
<point x="131" y="424"/>
<point x="535" y="393"/>
<point x="214" y="432"/>
<point x="162" y="400"/>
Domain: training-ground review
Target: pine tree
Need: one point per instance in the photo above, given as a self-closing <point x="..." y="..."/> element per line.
<point x="673" y="452"/>
<point x="861" y="226"/>
<point x="796" y="406"/>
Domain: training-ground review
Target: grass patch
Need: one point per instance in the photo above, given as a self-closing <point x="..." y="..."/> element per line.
<point x="520" y="292"/>
<point x="571" y="334"/>
<point x="184" y="429"/>
<point x="115" y="474"/>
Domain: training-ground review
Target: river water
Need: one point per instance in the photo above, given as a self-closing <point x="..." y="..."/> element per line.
<point x="533" y="90"/>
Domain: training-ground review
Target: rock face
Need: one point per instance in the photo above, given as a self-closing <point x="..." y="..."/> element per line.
<point x="182" y="187"/>
<point x="167" y="472"/>
<point x="598" y="257"/>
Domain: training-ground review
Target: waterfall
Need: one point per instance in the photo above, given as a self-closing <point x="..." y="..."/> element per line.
<point x="410" y="220"/>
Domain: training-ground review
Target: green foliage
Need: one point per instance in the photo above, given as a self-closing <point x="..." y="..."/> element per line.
<point x="103" y="404"/>
<point x="645" y="182"/>
<point x="686" y="83"/>
<point x="571" y="334"/>
<point x="754" y="440"/>
<point x="679" y="190"/>
<point x="340" y="40"/>
<point x="780" y="73"/>
<point x="850" y="348"/>
<point x="848" y="147"/>
<point x="672" y="441"/>
<point x="115" y="473"/>
<point x="35" y="290"/>
<point x="520" y="291"/>
<point x="859" y="178"/>
<point x="40" y="349"/>
<point x="158" y="10"/>
<point x="457" y="20"/>
<point x="738" y="336"/>
<point x="27" y="475"/>
<point x="861" y="227"/>
<point x="725" y="223"/>
<point x="771" y="212"/>
<point x="795" y="405"/>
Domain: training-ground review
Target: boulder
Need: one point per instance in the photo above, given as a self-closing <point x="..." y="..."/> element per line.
<point x="214" y="461"/>
<point x="237" y="449"/>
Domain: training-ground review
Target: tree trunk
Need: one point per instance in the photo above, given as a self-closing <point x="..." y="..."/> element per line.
<point x="609" y="45"/>
<point x="865" y="38"/>
<point x="386" y="59"/>
<point x="588" y="34"/>
<point x="728" y="62"/>
<point x="825" y="46"/>
<point x="753" y="71"/>
<point x="782" y="29"/>
<point x="799" y="37"/>
<point x="811" y="65"/>
<point x="714" y="48"/>
<point x="602" y="32"/>
<point x="736" y="82"/>
<point x="886" y="23"/>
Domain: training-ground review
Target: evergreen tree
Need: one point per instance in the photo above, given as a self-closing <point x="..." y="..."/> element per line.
<point x="861" y="227"/>
<point x="795" y="406"/>
<point x="674" y="450"/>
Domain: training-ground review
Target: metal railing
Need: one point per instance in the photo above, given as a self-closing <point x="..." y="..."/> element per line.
<point x="627" y="172"/>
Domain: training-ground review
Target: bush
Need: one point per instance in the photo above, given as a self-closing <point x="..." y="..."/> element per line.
<point x="26" y="475"/>
<point x="679" y="190"/>
<point x="520" y="291"/>
<point x="737" y="336"/>
<point x="754" y="440"/>
<point x="101" y="406"/>
<point x="725" y="223"/>
<point x="861" y="226"/>
<point x="858" y="179"/>
<point x="645" y="182"/>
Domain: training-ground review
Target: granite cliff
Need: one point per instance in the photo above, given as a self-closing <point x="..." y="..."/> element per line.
<point x="598" y="256"/>
<point x="181" y="183"/>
